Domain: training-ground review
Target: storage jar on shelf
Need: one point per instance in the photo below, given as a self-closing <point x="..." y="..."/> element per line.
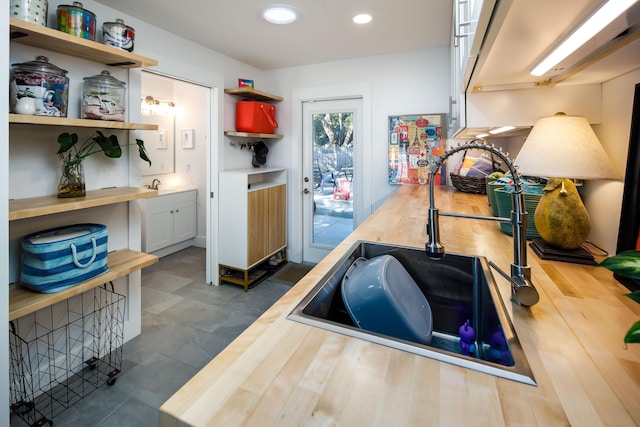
<point x="30" y="10"/>
<point x="119" y="35"/>
<point x="46" y="83"/>
<point x="76" y="21"/>
<point x="103" y="98"/>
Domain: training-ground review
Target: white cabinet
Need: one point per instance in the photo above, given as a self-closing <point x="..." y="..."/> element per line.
<point x="253" y="212"/>
<point x="168" y="219"/>
<point x="471" y="19"/>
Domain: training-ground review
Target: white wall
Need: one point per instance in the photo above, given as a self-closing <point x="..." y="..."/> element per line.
<point x="522" y="107"/>
<point x="4" y="222"/>
<point x="603" y="199"/>
<point x="606" y="106"/>
<point x="190" y="163"/>
<point x="403" y="83"/>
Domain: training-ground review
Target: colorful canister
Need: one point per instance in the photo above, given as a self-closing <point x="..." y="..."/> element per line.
<point x="77" y="21"/>
<point x="47" y="84"/>
<point x="118" y="34"/>
<point x="103" y="98"/>
<point x="30" y="10"/>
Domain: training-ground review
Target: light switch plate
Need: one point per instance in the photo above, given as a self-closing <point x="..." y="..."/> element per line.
<point x="187" y="138"/>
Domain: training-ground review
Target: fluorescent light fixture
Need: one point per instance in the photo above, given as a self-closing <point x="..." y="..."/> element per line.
<point x="279" y="14"/>
<point x="362" y="18"/>
<point x="592" y="26"/>
<point x="482" y="135"/>
<point x="501" y="130"/>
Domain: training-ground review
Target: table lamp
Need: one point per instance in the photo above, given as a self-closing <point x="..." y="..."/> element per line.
<point x="563" y="148"/>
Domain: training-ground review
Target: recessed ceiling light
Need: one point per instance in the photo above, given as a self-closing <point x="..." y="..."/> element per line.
<point x="362" y="18"/>
<point x="279" y="14"/>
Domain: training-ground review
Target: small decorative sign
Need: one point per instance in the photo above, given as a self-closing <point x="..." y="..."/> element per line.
<point x="245" y="83"/>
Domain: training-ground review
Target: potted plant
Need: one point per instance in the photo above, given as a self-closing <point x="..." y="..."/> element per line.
<point x="627" y="264"/>
<point x="72" y="154"/>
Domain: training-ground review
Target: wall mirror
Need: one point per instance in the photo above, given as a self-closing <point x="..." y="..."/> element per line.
<point x="157" y="107"/>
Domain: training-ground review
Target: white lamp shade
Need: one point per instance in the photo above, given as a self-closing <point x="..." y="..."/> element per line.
<point x="564" y="147"/>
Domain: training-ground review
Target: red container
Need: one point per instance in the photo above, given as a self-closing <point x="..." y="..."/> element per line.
<point x="255" y="117"/>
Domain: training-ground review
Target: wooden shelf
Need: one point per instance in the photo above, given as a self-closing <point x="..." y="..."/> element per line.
<point x="253" y="94"/>
<point x="258" y="96"/>
<point x="48" y="38"/>
<point x="46" y="205"/>
<point x="253" y="135"/>
<point x="23" y="301"/>
<point x="63" y="121"/>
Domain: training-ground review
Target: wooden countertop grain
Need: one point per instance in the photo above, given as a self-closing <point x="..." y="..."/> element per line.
<point x="283" y="373"/>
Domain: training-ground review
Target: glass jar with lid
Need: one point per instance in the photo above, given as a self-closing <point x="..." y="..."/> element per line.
<point x="46" y="83"/>
<point x="103" y="98"/>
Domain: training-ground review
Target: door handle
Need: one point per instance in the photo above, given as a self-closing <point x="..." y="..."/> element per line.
<point x="305" y="191"/>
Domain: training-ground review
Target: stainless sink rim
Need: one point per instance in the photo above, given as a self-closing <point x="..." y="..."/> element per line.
<point x="519" y="372"/>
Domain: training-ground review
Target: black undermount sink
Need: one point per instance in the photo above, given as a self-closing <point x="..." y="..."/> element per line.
<point x="457" y="287"/>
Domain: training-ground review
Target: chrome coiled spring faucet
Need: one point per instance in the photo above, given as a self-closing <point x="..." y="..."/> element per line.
<point x="522" y="290"/>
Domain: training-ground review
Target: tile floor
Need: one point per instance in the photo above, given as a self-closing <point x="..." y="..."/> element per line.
<point x="185" y="323"/>
<point x="330" y="230"/>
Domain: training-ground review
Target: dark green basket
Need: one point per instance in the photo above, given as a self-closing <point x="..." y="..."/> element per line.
<point x="492" y="186"/>
<point x="504" y="202"/>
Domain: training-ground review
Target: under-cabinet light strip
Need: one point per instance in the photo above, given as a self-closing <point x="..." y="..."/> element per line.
<point x="592" y="26"/>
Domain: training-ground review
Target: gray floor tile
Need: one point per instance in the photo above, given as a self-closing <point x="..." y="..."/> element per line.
<point x="132" y="413"/>
<point x="155" y="380"/>
<point x="155" y="301"/>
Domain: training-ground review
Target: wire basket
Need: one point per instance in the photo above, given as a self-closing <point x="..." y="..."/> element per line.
<point x="61" y="353"/>
<point x="469" y="184"/>
<point x="505" y="206"/>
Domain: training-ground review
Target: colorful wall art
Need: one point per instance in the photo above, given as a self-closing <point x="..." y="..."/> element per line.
<point x="415" y="142"/>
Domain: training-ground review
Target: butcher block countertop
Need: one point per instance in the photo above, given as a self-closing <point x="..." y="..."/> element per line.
<point x="283" y="373"/>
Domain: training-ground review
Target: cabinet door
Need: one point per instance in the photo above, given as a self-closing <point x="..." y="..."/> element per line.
<point x="277" y="212"/>
<point x="257" y="225"/>
<point x="184" y="221"/>
<point x="158" y="227"/>
<point x="266" y="222"/>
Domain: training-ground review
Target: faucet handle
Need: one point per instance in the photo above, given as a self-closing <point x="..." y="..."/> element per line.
<point x="433" y="247"/>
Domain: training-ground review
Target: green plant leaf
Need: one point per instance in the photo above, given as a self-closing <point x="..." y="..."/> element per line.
<point x="633" y="334"/>
<point x="635" y="295"/>
<point x="625" y="263"/>
<point x="110" y="146"/>
<point x="66" y="141"/>
<point x="142" y="151"/>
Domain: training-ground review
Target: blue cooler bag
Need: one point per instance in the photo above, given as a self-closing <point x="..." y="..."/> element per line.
<point x="56" y="259"/>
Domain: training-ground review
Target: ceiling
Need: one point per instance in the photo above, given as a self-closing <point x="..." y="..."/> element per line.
<point x="323" y="32"/>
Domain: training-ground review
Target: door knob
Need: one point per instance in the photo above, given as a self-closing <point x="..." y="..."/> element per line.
<point x="305" y="191"/>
